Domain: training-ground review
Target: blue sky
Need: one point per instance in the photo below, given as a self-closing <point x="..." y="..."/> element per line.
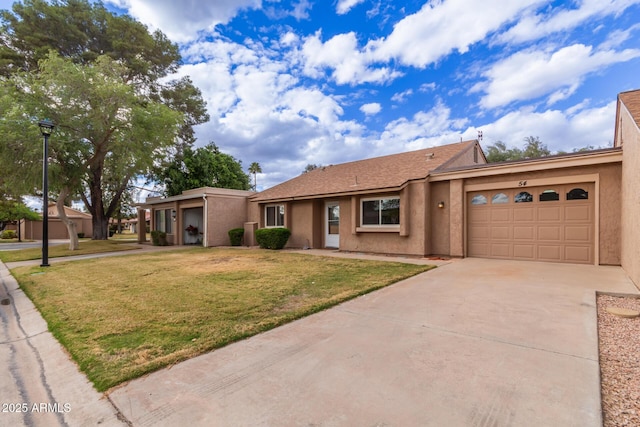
<point x="290" y="83"/>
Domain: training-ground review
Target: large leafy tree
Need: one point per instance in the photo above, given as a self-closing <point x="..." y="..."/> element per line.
<point x="533" y="148"/>
<point x="107" y="132"/>
<point x="12" y="211"/>
<point x="203" y="167"/>
<point x="86" y="33"/>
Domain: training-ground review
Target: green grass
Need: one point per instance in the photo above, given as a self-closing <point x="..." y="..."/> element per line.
<point x="123" y="317"/>
<point x="62" y="250"/>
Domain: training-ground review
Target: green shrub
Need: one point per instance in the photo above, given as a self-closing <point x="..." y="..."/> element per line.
<point x="272" y="238"/>
<point x="80" y="235"/>
<point x="8" y="234"/>
<point x="236" y="235"/>
<point x="158" y="238"/>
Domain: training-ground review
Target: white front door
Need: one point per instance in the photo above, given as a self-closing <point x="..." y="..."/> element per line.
<point x="332" y="228"/>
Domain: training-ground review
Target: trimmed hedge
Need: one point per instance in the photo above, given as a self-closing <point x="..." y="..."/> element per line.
<point x="158" y="238"/>
<point x="272" y="238"/>
<point x="8" y="234"/>
<point x="236" y="235"/>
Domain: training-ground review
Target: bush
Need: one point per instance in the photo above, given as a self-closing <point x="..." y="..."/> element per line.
<point x="272" y="238"/>
<point x="8" y="234"/>
<point x="80" y="235"/>
<point x="236" y="235"/>
<point x="158" y="238"/>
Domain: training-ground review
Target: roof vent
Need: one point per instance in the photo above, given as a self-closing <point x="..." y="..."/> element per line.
<point x="430" y="156"/>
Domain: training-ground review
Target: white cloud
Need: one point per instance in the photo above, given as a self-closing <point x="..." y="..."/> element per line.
<point x="536" y="26"/>
<point x="402" y="96"/>
<point x="371" y="109"/>
<point x="577" y="127"/>
<point x="182" y="20"/>
<point x="531" y="74"/>
<point x="344" y="6"/>
<point x="440" y="27"/>
<point x="340" y="53"/>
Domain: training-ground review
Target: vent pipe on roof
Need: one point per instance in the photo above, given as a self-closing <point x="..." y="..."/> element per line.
<point x="430" y="156"/>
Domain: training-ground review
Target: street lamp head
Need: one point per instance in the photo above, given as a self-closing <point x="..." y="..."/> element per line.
<point x="46" y="127"/>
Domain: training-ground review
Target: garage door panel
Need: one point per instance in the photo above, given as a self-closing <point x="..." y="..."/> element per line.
<point x="501" y="233"/>
<point x="501" y="250"/>
<point x="578" y="233"/>
<point x="524" y="251"/>
<point x="549" y="232"/>
<point x="578" y="254"/>
<point x="549" y="213"/>
<point x="577" y="213"/>
<point x="523" y="214"/>
<point x="559" y="229"/>
<point x="500" y="215"/>
<point x="550" y="252"/>
<point x="524" y="232"/>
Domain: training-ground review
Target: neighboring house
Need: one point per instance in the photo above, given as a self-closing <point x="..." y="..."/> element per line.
<point x="446" y="201"/>
<point x="32" y="230"/>
<point x="202" y="216"/>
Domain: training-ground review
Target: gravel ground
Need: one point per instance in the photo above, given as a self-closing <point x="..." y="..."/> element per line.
<point x="619" y="341"/>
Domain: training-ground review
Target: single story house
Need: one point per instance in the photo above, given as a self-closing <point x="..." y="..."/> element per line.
<point x="32" y="230"/>
<point x="202" y="216"/>
<point x="448" y="201"/>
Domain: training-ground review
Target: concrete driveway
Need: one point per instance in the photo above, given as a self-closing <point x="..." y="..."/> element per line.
<point x="473" y="343"/>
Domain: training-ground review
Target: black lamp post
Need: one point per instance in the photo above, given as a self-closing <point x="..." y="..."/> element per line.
<point x="46" y="127"/>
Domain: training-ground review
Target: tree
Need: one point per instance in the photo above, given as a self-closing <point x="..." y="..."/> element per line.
<point x="203" y="167"/>
<point x="534" y="148"/>
<point x="12" y="210"/>
<point x="106" y="132"/>
<point x="255" y="169"/>
<point x="499" y="152"/>
<point x="85" y="33"/>
<point x="311" y="167"/>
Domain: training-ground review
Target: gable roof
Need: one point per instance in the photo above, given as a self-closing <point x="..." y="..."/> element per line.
<point x="631" y="100"/>
<point x="369" y="175"/>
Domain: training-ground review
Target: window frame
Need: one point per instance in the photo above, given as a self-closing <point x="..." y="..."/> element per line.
<point x="380" y="200"/>
<point x="282" y="215"/>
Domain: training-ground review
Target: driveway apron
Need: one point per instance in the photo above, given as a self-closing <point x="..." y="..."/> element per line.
<point x="472" y="343"/>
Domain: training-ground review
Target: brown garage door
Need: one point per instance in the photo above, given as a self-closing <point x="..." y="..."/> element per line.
<point x="551" y="223"/>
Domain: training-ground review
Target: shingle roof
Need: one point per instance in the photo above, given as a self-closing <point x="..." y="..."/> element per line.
<point x="631" y="100"/>
<point x="378" y="173"/>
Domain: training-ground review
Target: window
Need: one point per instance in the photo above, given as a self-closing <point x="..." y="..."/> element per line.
<point x="499" y="198"/>
<point x="479" y="199"/>
<point x="577" y="194"/>
<point x="163" y="221"/>
<point x="523" y="197"/>
<point x="549" y="196"/>
<point x="383" y="211"/>
<point x="274" y="216"/>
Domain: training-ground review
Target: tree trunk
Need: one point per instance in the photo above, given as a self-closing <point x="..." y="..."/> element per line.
<point x="71" y="226"/>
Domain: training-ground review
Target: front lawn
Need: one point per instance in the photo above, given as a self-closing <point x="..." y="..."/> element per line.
<point x="62" y="250"/>
<point x="123" y="317"/>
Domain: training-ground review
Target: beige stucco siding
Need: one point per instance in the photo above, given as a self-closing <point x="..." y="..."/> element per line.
<point x="224" y="213"/>
<point x="438" y="243"/>
<point x="629" y="138"/>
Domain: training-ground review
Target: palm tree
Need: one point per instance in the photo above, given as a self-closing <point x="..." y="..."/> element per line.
<point x="255" y="169"/>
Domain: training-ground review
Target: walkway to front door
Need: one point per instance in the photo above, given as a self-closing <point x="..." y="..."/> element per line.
<point x="332" y="228"/>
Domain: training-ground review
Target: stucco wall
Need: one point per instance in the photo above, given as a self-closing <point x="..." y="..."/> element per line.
<point x="224" y="214"/>
<point x="440" y="219"/>
<point x="629" y="136"/>
<point x="387" y="242"/>
<point x="301" y="218"/>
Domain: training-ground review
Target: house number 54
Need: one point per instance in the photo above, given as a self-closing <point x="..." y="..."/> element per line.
<point x="522" y="184"/>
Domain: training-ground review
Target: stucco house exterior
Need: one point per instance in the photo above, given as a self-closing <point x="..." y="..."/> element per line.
<point x="446" y="201"/>
<point x="202" y="216"/>
<point x="32" y="230"/>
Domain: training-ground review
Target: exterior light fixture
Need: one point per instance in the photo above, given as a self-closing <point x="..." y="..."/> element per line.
<point x="46" y="128"/>
<point x="173" y="215"/>
<point x="441" y="205"/>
